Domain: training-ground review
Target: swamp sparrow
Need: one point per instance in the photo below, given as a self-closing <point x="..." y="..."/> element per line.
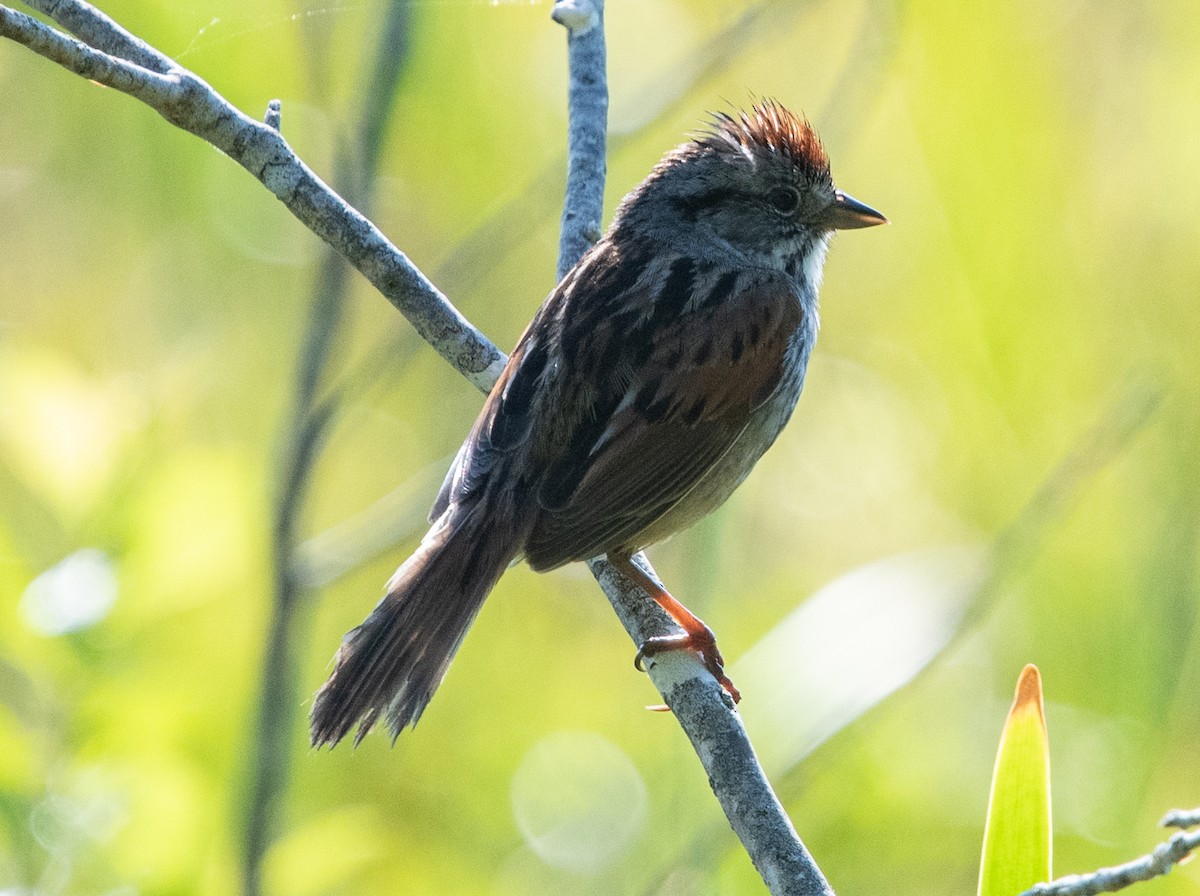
<point x="644" y="390"/>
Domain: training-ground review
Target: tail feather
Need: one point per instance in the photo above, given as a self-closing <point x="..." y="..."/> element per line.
<point x="392" y="663"/>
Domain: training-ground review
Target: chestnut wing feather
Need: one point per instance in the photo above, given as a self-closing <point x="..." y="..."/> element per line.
<point x="615" y="406"/>
<point x="679" y="409"/>
<point x="583" y="314"/>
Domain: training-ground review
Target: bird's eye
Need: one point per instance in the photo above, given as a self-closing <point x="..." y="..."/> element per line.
<point x="784" y="199"/>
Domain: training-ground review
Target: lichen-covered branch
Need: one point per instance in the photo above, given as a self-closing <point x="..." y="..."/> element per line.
<point x="1108" y="880"/>
<point x="105" y="53"/>
<point x="188" y="102"/>
<point x="587" y="128"/>
<point x="700" y="704"/>
<point x="706" y="714"/>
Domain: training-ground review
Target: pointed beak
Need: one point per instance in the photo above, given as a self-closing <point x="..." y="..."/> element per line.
<point x="847" y="213"/>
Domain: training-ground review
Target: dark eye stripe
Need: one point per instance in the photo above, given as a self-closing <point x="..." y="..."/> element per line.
<point x="690" y="208"/>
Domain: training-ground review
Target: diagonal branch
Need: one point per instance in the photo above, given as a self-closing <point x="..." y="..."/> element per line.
<point x="304" y="429"/>
<point x="1161" y="860"/>
<point x="97" y="30"/>
<point x="109" y="55"/>
<point x="186" y="101"/>
<point x="700" y="704"/>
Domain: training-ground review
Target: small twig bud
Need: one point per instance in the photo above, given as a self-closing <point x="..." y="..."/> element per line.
<point x="274" y="117"/>
<point x="577" y="16"/>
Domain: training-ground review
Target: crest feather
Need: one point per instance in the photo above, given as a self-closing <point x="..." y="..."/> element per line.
<point x="773" y="129"/>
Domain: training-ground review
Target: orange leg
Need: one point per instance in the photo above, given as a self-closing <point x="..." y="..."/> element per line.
<point x="696" y="636"/>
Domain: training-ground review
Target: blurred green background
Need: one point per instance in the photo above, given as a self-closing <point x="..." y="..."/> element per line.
<point x="995" y="461"/>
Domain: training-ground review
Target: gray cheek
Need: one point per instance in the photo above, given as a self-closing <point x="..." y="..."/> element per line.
<point x="742" y="228"/>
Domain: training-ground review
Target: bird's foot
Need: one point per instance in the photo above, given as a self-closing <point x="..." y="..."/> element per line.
<point x="701" y="641"/>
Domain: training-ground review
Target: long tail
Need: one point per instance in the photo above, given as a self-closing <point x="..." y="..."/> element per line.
<point x="394" y="661"/>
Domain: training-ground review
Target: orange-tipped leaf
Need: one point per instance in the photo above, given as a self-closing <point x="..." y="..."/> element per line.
<point x="1017" y="838"/>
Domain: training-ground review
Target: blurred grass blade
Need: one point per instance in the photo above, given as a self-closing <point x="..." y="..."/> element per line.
<point x="1017" y="838"/>
<point x="853" y="643"/>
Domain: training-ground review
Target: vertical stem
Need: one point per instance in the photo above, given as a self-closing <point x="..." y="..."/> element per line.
<point x="587" y="127"/>
<point x="698" y="702"/>
<point x="356" y="167"/>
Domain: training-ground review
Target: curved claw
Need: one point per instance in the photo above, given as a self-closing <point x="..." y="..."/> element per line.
<point x="696" y="636"/>
<point x="704" y="644"/>
<point x="663" y="643"/>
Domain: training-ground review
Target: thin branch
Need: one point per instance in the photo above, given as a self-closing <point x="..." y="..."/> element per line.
<point x="700" y="705"/>
<point x="303" y="434"/>
<point x="269" y="769"/>
<point x="1184" y="819"/>
<point x="1108" y="880"/>
<point x="587" y="128"/>
<point x="188" y="102"/>
<point x="668" y="91"/>
<point x="706" y="714"/>
<point x="96" y="29"/>
<point x="77" y="56"/>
